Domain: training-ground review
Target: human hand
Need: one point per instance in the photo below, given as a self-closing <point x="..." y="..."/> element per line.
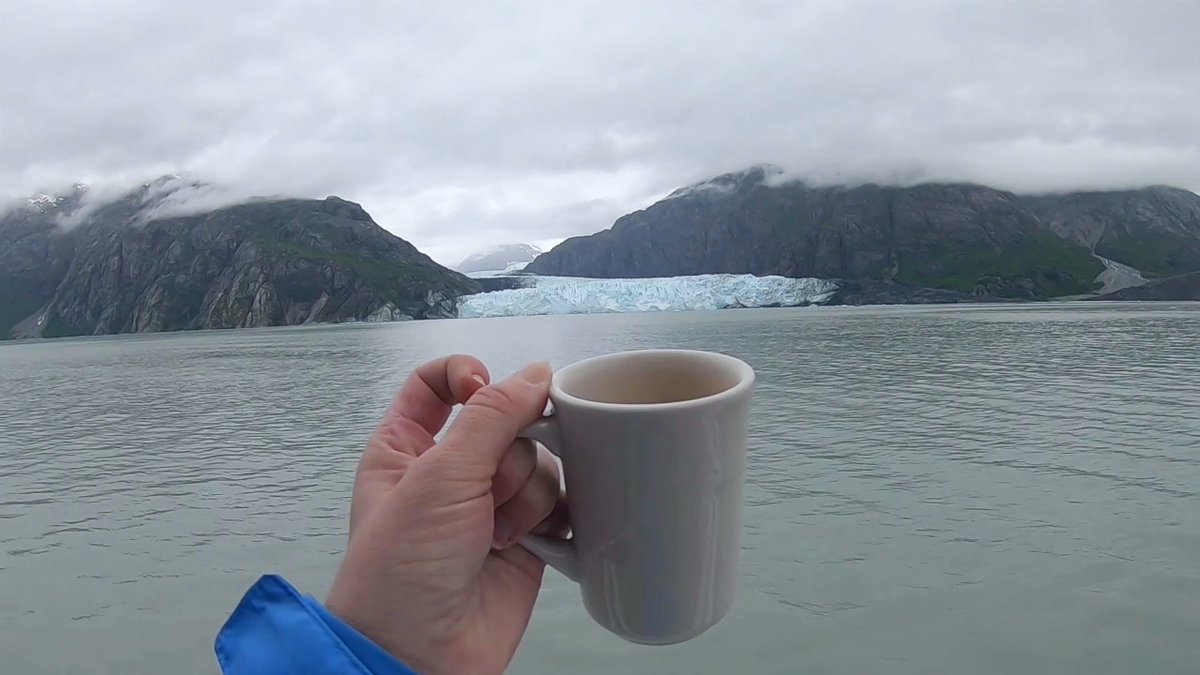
<point x="430" y="572"/>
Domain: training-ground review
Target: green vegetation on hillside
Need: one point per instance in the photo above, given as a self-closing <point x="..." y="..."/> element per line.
<point x="1154" y="254"/>
<point x="19" y="301"/>
<point x="383" y="274"/>
<point x="1053" y="267"/>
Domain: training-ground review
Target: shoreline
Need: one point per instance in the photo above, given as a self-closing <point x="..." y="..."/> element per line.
<point x="980" y="304"/>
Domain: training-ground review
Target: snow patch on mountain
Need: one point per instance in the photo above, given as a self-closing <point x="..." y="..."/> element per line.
<point x="44" y="202"/>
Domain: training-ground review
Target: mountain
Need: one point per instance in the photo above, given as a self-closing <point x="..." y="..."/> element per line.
<point x="505" y="257"/>
<point x="956" y="237"/>
<point x="148" y="261"/>
<point x="963" y="238"/>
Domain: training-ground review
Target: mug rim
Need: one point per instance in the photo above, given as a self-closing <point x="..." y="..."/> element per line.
<point x="745" y="381"/>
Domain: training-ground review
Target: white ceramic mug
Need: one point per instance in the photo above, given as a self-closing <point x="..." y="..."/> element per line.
<point x="653" y="446"/>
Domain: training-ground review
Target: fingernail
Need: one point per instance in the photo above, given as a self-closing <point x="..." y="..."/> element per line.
<point x="479" y="378"/>
<point x="535" y="373"/>
<point x="501" y="533"/>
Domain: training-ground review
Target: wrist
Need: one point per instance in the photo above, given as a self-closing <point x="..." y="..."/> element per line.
<point x="386" y="626"/>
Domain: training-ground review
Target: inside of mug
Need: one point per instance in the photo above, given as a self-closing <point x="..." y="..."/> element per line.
<point x="648" y="377"/>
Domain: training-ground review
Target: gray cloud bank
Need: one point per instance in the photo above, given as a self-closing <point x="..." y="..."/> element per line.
<point x="464" y="124"/>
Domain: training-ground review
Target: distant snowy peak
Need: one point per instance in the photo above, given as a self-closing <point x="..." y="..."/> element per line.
<point x="45" y="202"/>
<point x="502" y="257"/>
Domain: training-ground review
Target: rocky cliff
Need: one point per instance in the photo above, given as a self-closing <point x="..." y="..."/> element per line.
<point x="71" y="268"/>
<point x="968" y="239"/>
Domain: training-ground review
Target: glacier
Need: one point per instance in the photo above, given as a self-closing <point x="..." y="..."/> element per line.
<point x="575" y="295"/>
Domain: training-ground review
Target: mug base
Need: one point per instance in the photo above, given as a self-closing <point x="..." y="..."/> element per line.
<point x="665" y="640"/>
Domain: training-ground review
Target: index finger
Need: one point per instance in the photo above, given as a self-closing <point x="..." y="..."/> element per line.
<point x="432" y="390"/>
<point x="493" y="417"/>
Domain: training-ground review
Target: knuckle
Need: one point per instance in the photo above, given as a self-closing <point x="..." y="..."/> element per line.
<point x="536" y="509"/>
<point x="463" y="362"/>
<point x="542" y="509"/>
<point x="534" y="501"/>
<point x="519" y="462"/>
<point x="439" y="470"/>
<point x="493" y="400"/>
<point x="456" y="362"/>
<point x="516" y="469"/>
<point x="539" y="495"/>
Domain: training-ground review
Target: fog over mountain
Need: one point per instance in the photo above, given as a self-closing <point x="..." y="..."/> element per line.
<point x="502" y="257"/>
<point x="460" y="127"/>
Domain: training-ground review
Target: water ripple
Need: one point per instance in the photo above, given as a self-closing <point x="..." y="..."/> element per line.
<point x="967" y="479"/>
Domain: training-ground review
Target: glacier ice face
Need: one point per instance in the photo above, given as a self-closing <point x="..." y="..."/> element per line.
<point x="571" y="295"/>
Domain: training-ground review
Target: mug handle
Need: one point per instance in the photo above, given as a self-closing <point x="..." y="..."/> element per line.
<point x="557" y="553"/>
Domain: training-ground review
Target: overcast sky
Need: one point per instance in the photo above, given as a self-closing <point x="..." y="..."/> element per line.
<point x="464" y="124"/>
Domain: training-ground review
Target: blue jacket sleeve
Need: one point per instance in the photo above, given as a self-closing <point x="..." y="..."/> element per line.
<point x="276" y="630"/>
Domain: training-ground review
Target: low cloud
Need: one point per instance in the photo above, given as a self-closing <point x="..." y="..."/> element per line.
<point x="461" y="126"/>
<point x="175" y="197"/>
<point x="164" y="197"/>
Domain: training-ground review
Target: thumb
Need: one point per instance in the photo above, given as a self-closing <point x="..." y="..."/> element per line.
<point x="493" y="416"/>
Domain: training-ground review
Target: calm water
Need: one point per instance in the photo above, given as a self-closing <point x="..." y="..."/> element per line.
<point x="962" y="490"/>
